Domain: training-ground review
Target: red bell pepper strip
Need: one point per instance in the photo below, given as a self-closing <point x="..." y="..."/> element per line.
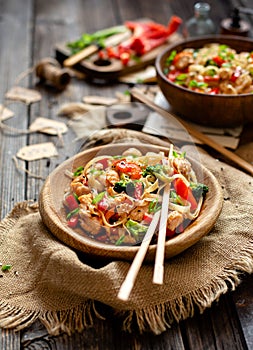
<point x="71" y="202"/>
<point x="147" y="218"/>
<point x="131" y="169"/>
<point x="185" y="192"/>
<point x="73" y="221"/>
<point x="170" y="233"/>
<point x="138" y="191"/>
<point x="103" y="205"/>
<point x="104" y="162"/>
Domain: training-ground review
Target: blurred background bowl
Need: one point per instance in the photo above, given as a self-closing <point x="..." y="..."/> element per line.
<point x="210" y="110"/>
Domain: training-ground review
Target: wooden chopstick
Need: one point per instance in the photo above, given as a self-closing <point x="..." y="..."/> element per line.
<point x="159" y="258"/>
<point x="139" y="95"/>
<point x="128" y="283"/>
<point x="79" y="56"/>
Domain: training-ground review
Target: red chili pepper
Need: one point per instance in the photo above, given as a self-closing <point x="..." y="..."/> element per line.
<point x="174" y="24"/>
<point x="111" y="52"/>
<point x="131" y="169"/>
<point x="185" y="192"/>
<point x="143" y="27"/>
<point x="71" y="202"/>
<point x="138" y="28"/>
<point x="148" y="35"/>
<point x="218" y="60"/>
<point x="101" y="55"/>
<point x="73" y="221"/>
<point x="125" y="58"/>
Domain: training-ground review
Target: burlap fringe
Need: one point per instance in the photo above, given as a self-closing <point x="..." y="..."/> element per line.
<point x="11" y="317"/>
<point x="158" y="318"/>
<point x="56" y="322"/>
<point x="155" y="319"/>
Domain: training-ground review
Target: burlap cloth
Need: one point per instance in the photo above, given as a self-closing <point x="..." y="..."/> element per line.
<point x="48" y="281"/>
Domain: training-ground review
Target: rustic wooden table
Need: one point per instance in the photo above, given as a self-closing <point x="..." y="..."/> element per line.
<point x="29" y="30"/>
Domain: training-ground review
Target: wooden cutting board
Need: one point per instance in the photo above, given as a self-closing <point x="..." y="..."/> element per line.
<point x="94" y="68"/>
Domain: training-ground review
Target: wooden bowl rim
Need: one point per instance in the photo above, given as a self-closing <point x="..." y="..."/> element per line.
<point x="52" y="219"/>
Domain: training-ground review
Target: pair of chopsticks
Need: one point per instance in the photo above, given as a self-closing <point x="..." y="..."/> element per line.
<point x="162" y="214"/>
<point x="140" y="96"/>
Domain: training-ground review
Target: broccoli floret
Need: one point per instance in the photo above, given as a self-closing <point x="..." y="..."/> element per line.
<point x="128" y="186"/>
<point x="199" y="189"/>
<point x="120" y="186"/>
<point x="159" y="171"/>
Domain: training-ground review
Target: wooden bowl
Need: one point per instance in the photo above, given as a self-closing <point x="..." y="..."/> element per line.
<point x="210" y="110"/>
<point x="53" y="215"/>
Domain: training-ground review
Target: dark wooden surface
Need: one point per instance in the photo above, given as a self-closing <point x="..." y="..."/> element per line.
<point x="29" y="30"/>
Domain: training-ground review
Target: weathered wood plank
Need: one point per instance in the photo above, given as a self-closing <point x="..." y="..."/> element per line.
<point x="243" y="299"/>
<point x="15" y="15"/>
<point x="9" y="340"/>
<point x="215" y="328"/>
<point x="14" y="59"/>
<point x="105" y="334"/>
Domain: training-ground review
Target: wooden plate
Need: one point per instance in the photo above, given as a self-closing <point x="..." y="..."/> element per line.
<point x="52" y="213"/>
<point x="112" y="69"/>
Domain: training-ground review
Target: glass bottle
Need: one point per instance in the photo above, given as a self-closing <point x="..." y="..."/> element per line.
<point x="201" y="23"/>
